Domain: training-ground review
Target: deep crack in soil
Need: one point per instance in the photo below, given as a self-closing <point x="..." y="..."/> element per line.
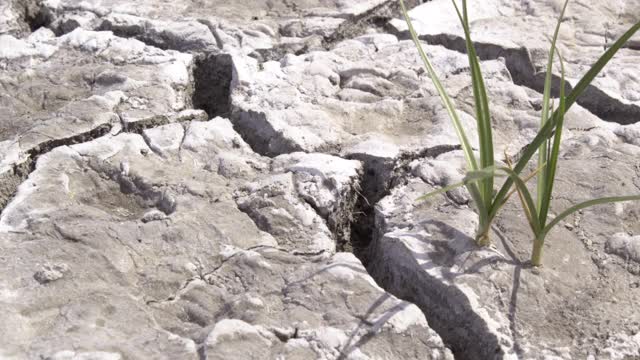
<point x="212" y="76"/>
<point x="34" y="14"/>
<point x="446" y="308"/>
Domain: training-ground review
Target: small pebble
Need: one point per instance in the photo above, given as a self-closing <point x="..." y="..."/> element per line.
<point x="153" y="215"/>
<point x="49" y="273"/>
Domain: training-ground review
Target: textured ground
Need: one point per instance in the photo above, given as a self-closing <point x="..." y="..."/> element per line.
<point x="237" y="180"/>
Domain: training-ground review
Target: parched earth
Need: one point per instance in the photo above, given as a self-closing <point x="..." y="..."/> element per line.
<point x="238" y="180"/>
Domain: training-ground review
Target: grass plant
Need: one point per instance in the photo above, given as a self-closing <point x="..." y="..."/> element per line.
<point x="481" y="172"/>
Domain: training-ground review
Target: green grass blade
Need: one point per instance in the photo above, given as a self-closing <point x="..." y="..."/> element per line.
<point x="555" y="151"/>
<point x="543" y="153"/>
<point x="546" y="131"/>
<point x="483" y="116"/>
<point x="586" y="204"/>
<point x="446" y="100"/>
<point x="526" y="198"/>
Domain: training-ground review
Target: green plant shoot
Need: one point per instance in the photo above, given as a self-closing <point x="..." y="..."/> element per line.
<point x="480" y="177"/>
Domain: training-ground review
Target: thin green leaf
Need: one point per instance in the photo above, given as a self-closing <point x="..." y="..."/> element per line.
<point x="555" y="151"/>
<point x="586" y="204"/>
<point x="446" y="100"/>
<point x="483" y="116"/>
<point x="543" y="152"/>
<point x="546" y="131"/>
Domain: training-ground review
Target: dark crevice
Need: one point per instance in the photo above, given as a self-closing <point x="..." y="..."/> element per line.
<point x="154" y="35"/>
<point x="138" y="127"/>
<point x="524" y="73"/>
<point x="202" y="352"/>
<point x="279" y="51"/>
<point x="446" y="308"/>
<point x="376" y="184"/>
<point x="593" y="99"/>
<point x="11" y="181"/>
<point x="339" y="222"/>
<point x="34" y="14"/>
<point x="285" y="335"/>
<point x="257" y="131"/>
<point x="212" y="76"/>
<point x="380" y="176"/>
<point x="47" y="146"/>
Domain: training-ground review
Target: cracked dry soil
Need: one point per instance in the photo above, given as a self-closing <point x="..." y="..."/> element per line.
<point x="237" y="180"/>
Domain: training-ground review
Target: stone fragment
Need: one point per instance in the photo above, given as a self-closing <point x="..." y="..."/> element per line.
<point x="49" y="273"/>
<point x="625" y="246"/>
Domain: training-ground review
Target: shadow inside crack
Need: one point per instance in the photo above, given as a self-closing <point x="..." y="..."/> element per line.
<point x="212" y="76"/>
<point x="447" y="308"/>
<point x="34" y="14"/>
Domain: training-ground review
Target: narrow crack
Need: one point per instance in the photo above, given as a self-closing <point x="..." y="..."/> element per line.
<point x="138" y="127"/>
<point x="202" y="351"/>
<point x="154" y="34"/>
<point x="446" y="308"/>
<point x="376" y="17"/>
<point x="11" y="180"/>
<point x="153" y="149"/>
<point x="259" y="133"/>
